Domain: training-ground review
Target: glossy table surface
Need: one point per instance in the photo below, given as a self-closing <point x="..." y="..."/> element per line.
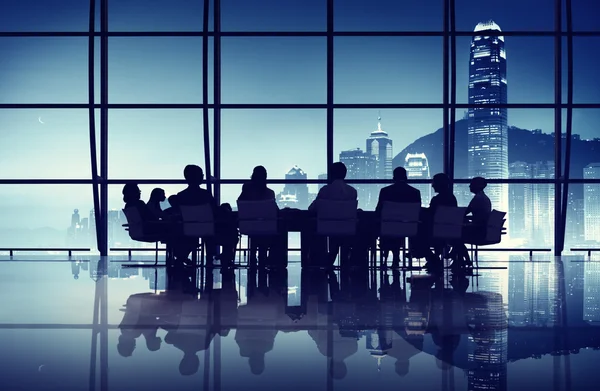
<point x="88" y="324"/>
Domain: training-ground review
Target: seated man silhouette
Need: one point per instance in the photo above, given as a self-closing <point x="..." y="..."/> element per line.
<point x="337" y="190"/>
<point x="444" y="197"/>
<point x="156" y="197"/>
<point x="256" y="190"/>
<point x="191" y="196"/>
<point x="400" y="192"/>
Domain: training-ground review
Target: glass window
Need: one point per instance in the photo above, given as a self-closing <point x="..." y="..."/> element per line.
<point x="388" y="70"/>
<point x="156" y="70"/>
<point x="274" y="70"/>
<point x="585" y="142"/>
<point x="44" y="15"/>
<point x="47" y="216"/>
<point x="388" y="15"/>
<point x="584" y="16"/>
<point x="45" y="143"/>
<point x="471" y="12"/>
<point x="273" y="15"/>
<point x="509" y="70"/>
<point x="291" y="144"/>
<point x="44" y="70"/>
<point x="149" y="144"/>
<point x="585" y="81"/>
<point x="157" y="15"/>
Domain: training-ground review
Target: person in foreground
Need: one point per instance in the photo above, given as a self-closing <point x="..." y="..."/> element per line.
<point x="337" y="190"/>
<point x="401" y="192"/>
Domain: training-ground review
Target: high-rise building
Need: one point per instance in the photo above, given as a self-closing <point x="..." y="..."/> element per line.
<point x="543" y="204"/>
<point x="591" y="203"/>
<point x="417" y="167"/>
<point x="294" y="194"/>
<point x="487" y="125"/>
<point x="591" y="292"/>
<point x="380" y="145"/>
<point x="361" y="165"/>
<point x="575" y="232"/>
<point x="519" y="202"/>
<point x="322" y="177"/>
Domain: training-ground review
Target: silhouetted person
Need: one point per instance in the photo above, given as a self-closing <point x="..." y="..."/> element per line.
<point x="156" y="197"/>
<point x="444" y="197"/>
<point x="337" y="190"/>
<point x="191" y="196"/>
<point x="256" y="189"/>
<point x="480" y="206"/>
<point x="477" y="215"/>
<point x="400" y="192"/>
<point x="132" y="199"/>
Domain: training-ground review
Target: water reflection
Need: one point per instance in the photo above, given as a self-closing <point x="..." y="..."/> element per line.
<point x="234" y="328"/>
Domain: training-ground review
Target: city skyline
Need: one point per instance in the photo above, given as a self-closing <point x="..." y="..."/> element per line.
<point x="366" y="70"/>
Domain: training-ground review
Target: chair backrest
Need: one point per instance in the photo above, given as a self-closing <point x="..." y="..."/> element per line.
<point x="448" y="222"/>
<point x="135" y="222"/>
<point x="494" y="226"/>
<point x="399" y="219"/>
<point x="257" y="218"/>
<point x="198" y="220"/>
<point x="336" y="218"/>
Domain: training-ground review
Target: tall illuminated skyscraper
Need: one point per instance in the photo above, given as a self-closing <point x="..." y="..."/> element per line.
<point x="417" y="167"/>
<point x="380" y="145"/>
<point x="361" y="165"/>
<point x="487" y="125"/>
<point x="591" y="203"/>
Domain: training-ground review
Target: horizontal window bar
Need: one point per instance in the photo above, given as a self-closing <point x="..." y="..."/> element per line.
<point x="299" y="106"/>
<point x="517" y="33"/>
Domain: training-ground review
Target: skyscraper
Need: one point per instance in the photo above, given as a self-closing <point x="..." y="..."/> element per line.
<point x="591" y="203"/>
<point x="294" y="193"/>
<point x="417" y="167"/>
<point x="380" y="145"/>
<point x="519" y="204"/>
<point x="543" y="204"/>
<point x="487" y="125"/>
<point x="361" y="165"/>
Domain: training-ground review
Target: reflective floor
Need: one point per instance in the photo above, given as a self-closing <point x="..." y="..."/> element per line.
<point x="88" y="324"/>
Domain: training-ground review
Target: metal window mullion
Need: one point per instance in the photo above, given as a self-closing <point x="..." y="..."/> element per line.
<point x="104" y="126"/>
<point x="569" y="121"/>
<point x="205" y="124"/>
<point x="452" y="136"/>
<point x="558" y="245"/>
<point x="330" y="86"/>
<point x="445" y="88"/>
<point x="92" y="122"/>
<point x="217" y="99"/>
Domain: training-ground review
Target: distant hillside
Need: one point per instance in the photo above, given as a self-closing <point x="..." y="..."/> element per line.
<point x="523" y="145"/>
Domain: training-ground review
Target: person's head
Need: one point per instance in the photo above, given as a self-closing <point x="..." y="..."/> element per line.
<point x="157" y="195"/>
<point x="441" y="182"/>
<point x="193" y="175"/>
<point x="400" y="174"/>
<point x="189" y="365"/>
<point x="259" y="175"/>
<point x="131" y="193"/>
<point x="257" y="364"/>
<point x="477" y="184"/>
<point x="125" y="346"/>
<point x="402" y="367"/>
<point x="226" y="207"/>
<point x="173" y="201"/>
<point x="338" y="370"/>
<point x="338" y="171"/>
